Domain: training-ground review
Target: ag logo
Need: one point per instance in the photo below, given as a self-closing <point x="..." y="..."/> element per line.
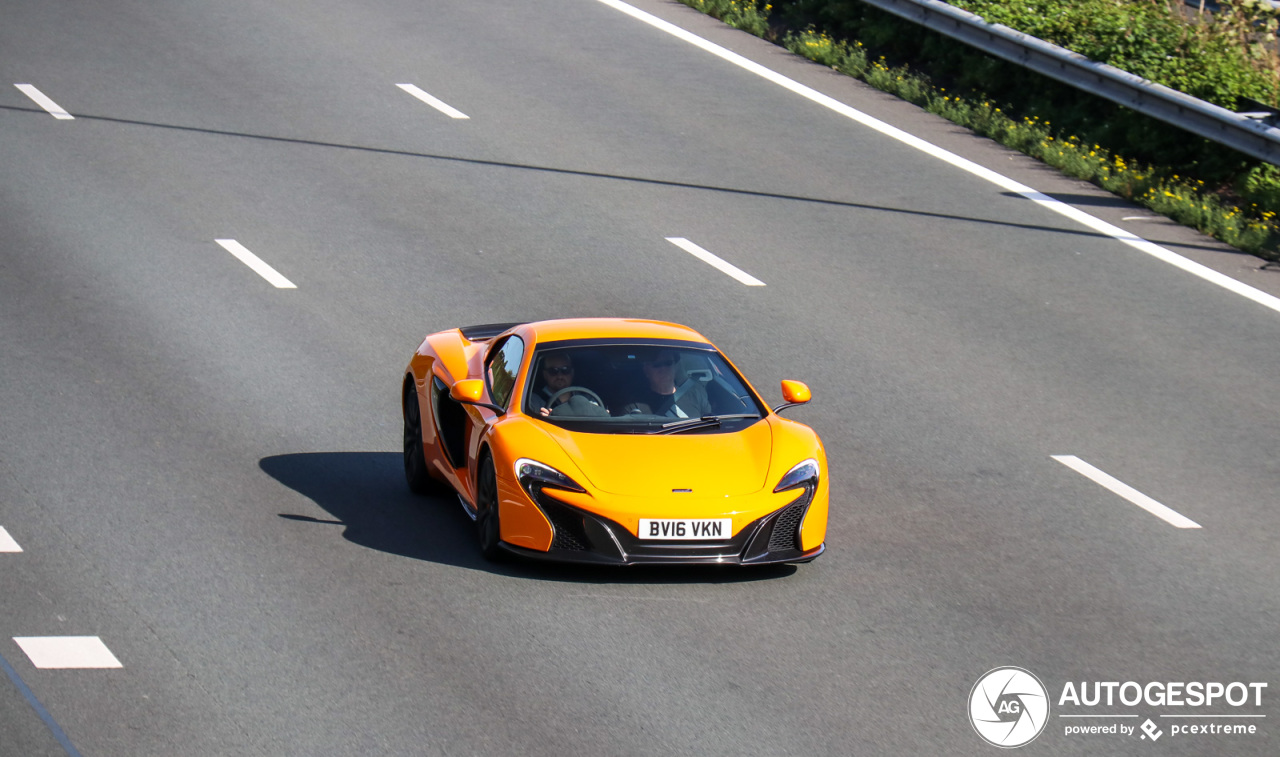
<point x="1008" y="707"/>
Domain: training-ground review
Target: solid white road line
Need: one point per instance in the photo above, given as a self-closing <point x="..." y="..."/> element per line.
<point x="7" y="544"/>
<point x="439" y="105"/>
<point x="43" y="101"/>
<point x="63" y="652"/>
<point x="1004" y="182"/>
<point x="1162" y="512"/>
<point x="256" y="263"/>
<point x="711" y="259"/>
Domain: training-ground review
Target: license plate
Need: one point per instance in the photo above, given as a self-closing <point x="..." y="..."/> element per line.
<point x="686" y="529"/>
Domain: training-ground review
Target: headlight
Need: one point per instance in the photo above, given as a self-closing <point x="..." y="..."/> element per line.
<point x="530" y="472"/>
<point x="803" y="474"/>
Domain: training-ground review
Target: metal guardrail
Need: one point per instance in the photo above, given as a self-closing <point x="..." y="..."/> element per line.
<point x="1246" y="132"/>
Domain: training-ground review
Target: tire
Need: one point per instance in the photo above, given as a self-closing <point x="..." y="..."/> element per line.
<point x="487" y="523"/>
<point x="415" y="459"/>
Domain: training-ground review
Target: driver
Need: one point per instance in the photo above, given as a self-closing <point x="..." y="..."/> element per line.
<point x="557" y="375"/>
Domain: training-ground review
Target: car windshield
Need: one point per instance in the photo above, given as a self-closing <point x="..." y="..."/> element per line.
<point x="649" y="388"/>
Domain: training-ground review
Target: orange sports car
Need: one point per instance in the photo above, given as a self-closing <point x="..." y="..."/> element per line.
<point x="612" y="441"/>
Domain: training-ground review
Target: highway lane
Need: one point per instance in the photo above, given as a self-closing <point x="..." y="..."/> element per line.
<point x="955" y="339"/>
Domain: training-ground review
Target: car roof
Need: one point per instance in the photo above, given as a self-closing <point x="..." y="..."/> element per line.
<point x="616" y="328"/>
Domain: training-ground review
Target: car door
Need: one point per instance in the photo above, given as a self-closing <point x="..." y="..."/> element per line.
<point x="501" y="370"/>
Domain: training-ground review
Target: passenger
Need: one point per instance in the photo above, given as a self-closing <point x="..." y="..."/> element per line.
<point x="663" y="397"/>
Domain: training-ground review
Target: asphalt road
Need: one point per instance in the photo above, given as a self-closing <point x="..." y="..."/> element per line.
<point x="203" y="470"/>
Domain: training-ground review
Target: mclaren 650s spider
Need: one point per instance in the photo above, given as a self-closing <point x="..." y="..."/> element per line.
<point x="612" y="441"/>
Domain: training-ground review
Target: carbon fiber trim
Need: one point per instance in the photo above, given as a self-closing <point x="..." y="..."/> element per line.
<point x="485" y="331"/>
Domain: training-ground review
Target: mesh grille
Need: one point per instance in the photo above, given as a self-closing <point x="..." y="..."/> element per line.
<point x="786" y="529"/>
<point x="569" y="530"/>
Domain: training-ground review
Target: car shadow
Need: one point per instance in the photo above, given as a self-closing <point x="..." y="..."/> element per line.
<point x="365" y="492"/>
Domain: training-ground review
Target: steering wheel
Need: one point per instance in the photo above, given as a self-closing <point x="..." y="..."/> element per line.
<point x="575" y="390"/>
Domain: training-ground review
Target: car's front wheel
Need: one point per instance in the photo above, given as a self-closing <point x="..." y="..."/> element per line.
<point x="415" y="461"/>
<point x="487" y="522"/>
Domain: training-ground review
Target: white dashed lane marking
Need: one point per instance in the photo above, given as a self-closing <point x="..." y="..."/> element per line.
<point x="45" y="102"/>
<point x="7" y="544"/>
<point x="716" y="262"/>
<point x="256" y="263"/>
<point x="1164" y="513"/>
<point x="67" y="652"/>
<point x="439" y="105"/>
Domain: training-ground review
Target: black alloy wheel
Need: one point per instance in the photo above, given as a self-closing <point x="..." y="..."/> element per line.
<point x="415" y="460"/>
<point x="487" y="511"/>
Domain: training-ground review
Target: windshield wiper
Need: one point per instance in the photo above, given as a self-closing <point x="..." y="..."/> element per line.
<point x="692" y="424"/>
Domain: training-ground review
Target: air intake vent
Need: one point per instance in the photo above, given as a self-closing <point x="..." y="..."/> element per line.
<point x="570" y="533"/>
<point x="786" y="529"/>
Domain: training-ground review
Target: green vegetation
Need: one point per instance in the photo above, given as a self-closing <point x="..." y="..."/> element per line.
<point x="1216" y="61"/>
<point x="747" y="15"/>
<point x="1191" y="180"/>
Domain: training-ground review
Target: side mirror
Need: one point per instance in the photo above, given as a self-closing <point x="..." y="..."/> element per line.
<point x="795" y="393"/>
<point x="469" y="392"/>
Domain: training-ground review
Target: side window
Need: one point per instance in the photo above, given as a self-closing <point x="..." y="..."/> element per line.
<point x="504" y="363"/>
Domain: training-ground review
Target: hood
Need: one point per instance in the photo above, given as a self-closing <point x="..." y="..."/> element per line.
<point x="727" y="464"/>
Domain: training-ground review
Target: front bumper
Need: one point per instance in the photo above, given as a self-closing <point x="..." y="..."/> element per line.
<point x="584" y="537"/>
